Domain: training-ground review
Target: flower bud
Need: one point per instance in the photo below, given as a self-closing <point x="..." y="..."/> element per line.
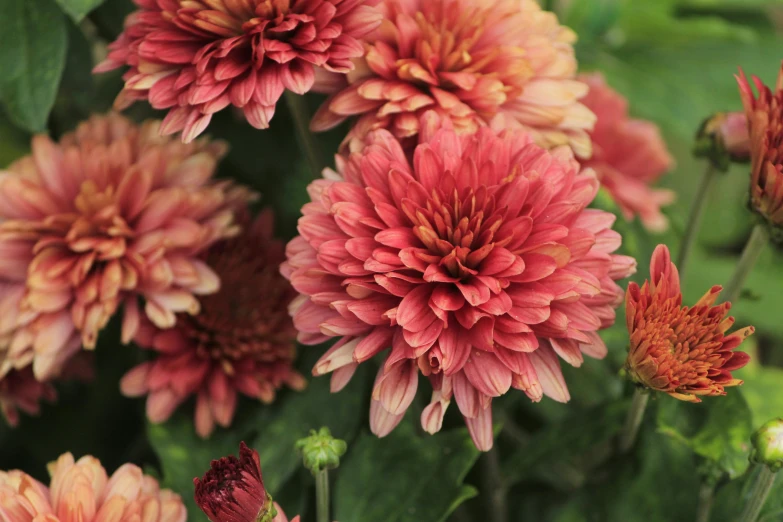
<point x="321" y="451"/>
<point x="768" y="445"/>
<point x="723" y="138"/>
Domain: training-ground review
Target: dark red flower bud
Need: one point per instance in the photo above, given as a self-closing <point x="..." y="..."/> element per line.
<point x="233" y="491"/>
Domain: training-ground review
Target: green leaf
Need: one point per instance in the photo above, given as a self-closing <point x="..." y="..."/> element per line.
<point x="14" y="143"/>
<point x="762" y="391"/>
<point x="561" y="441"/>
<point x="32" y="57"/>
<point x="717" y="429"/>
<point x="78" y="9"/>
<point x="732" y="497"/>
<point x="404" y="476"/>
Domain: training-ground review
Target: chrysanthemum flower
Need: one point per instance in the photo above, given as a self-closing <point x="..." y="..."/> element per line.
<point x="477" y="263"/>
<point x="19" y="390"/>
<point x="112" y="213"/>
<point x="470" y="60"/>
<point x="242" y="341"/>
<point x="197" y="57"/>
<point x="678" y="350"/>
<point x="233" y="491"/>
<point x="81" y="492"/>
<point x="765" y="122"/>
<point x="628" y="155"/>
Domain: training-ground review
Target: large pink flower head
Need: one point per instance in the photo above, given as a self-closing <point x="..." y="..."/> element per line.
<point x="111" y="213"/>
<point x="470" y="60"/>
<point x="477" y="263"/>
<point x="242" y="340"/>
<point x="80" y="491"/>
<point x="195" y="58"/>
<point x="628" y="155"/>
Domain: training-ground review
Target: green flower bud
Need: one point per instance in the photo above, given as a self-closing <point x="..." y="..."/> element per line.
<point x="320" y="450"/>
<point x="768" y="445"/>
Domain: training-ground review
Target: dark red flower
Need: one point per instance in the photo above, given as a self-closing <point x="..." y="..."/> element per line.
<point x="233" y="491"/>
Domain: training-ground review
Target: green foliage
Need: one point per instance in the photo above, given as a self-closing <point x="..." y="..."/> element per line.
<point x="32" y="58"/>
<point x="78" y="9"/>
<point x="404" y="476"/>
<point x="717" y="429"/>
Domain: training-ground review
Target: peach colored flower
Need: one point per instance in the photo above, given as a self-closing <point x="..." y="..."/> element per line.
<point x="629" y="155"/>
<point x="197" y="57"/>
<point x="470" y="60"/>
<point x="111" y="213"/>
<point x="679" y="350"/>
<point x="232" y="490"/>
<point x="242" y="340"/>
<point x="765" y="122"/>
<point x="477" y="263"/>
<point x="81" y="491"/>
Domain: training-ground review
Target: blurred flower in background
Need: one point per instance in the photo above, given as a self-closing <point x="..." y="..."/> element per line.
<point x="110" y="213"/>
<point x="80" y="491"/>
<point x="679" y="350"/>
<point x="242" y="340"/>
<point x="765" y="122"/>
<point x="470" y="60"/>
<point x="478" y="263"/>
<point x="19" y="390"/>
<point x="629" y="155"/>
<point x="232" y="490"/>
<point x="197" y="58"/>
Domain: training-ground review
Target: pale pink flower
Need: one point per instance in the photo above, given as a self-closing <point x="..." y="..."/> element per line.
<point x="629" y="155"/>
<point x="241" y="342"/>
<point x="475" y="264"/>
<point x="111" y="213"/>
<point x="197" y="57"/>
<point x="80" y="491"/>
<point x="470" y="60"/>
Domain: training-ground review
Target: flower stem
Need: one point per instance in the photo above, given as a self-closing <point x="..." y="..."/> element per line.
<point x="695" y="217"/>
<point x="634" y="419"/>
<point x="706" y="493"/>
<point x="298" y="107"/>
<point x="750" y="254"/>
<point x="491" y="478"/>
<point x="758" y="494"/>
<point x="322" y="495"/>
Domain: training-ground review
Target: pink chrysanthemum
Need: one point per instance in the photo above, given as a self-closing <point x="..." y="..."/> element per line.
<point x="112" y="213"/>
<point x="477" y="263"/>
<point x="242" y="341"/>
<point x="197" y="57"/>
<point x="470" y="60"/>
<point x="81" y="491"/>
<point x="628" y="155"/>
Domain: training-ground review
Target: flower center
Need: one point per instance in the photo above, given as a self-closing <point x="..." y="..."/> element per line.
<point x="100" y="228"/>
<point x="458" y="230"/>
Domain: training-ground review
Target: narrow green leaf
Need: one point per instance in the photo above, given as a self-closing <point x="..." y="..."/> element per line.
<point x="404" y="476"/>
<point x="32" y="57"/>
<point x="78" y="9"/>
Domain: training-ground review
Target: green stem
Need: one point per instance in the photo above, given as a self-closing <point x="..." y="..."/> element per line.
<point x="322" y="496"/>
<point x="298" y="107"/>
<point x="634" y="419"/>
<point x="758" y="494"/>
<point x="491" y="478"/>
<point x="750" y="254"/>
<point x="706" y="493"/>
<point x="694" y="219"/>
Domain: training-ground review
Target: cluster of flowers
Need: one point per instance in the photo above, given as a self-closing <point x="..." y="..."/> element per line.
<point x="454" y="235"/>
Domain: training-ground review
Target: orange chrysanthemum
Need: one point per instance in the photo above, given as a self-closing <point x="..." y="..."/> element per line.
<point x="111" y="213"/>
<point x="80" y="491"/>
<point x="242" y="341"/>
<point x="765" y="123"/>
<point x="470" y="60"/>
<point x="675" y="349"/>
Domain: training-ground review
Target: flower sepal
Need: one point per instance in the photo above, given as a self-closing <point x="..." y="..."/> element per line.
<point x="768" y="445"/>
<point x="320" y="450"/>
<point x="723" y="139"/>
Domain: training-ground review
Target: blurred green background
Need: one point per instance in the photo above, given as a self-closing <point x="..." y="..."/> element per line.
<point x="675" y="61"/>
